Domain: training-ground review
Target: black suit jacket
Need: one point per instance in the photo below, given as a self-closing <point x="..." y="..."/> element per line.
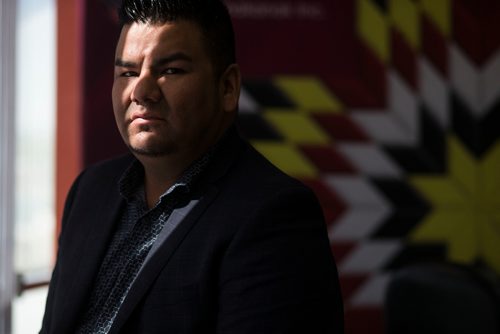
<point x="252" y="256"/>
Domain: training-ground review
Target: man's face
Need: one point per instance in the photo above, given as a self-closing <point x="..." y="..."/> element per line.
<point x="166" y="97"/>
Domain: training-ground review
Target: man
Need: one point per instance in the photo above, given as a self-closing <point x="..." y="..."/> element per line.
<point x="195" y="232"/>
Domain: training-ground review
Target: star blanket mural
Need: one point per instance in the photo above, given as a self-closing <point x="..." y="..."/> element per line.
<point x="408" y="170"/>
<point x="388" y="110"/>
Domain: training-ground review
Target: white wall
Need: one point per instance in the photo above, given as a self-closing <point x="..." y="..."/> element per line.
<point x="7" y="135"/>
<point x="35" y="134"/>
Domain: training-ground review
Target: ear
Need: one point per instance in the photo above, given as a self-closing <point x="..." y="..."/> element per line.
<point x="230" y="84"/>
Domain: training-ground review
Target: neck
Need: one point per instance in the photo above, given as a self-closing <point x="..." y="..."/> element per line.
<point x="160" y="173"/>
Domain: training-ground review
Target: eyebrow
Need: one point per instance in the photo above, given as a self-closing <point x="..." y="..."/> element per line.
<point x="122" y="63"/>
<point x="157" y="63"/>
<point x="173" y="57"/>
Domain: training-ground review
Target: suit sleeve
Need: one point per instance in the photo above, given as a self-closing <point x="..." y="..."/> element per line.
<point x="278" y="274"/>
<point x="47" y="317"/>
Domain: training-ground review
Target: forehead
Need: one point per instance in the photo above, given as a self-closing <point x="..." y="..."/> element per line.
<point x="141" y="39"/>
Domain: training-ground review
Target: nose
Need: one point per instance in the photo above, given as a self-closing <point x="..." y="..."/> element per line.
<point x="146" y="90"/>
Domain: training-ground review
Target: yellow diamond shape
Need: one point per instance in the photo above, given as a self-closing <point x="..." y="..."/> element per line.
<point x="440" y="12"/>
<point x="373" y="28"/>
<point x="296" y="127"/>
<point x="309" y="94"/>
<point x="287" y="158"/>
<point x="463" y="167"/>
<point x="441" y="191"/>
<point x="452" y="228"/>
<point x="405" y="16"/>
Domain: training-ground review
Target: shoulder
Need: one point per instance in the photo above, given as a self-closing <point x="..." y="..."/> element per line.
<point x="94" y="183"/>
<point x="255" y="173"/>
<point x="110" y="167"/>
<point x="242" y="173"/>
<point x="254" y="186"/>
<point x="101" y="175"/>
<point x="105" y="171"/>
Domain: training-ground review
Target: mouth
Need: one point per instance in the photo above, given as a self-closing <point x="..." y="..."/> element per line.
<point x="145" y="118"/>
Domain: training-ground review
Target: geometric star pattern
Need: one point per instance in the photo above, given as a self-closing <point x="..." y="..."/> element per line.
<point x="465" y="206"/>
<point x="412" y="172"/>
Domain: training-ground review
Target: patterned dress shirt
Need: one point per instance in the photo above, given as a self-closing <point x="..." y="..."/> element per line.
<point x="132" y="242"/>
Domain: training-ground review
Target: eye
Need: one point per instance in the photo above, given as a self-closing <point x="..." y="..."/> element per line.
<point x="128" y="74"/>
<point x="172" y="70"/>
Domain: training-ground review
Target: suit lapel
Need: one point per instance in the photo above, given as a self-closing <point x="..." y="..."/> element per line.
<point x="227" y="152"/>
<point x="161" y="257"/>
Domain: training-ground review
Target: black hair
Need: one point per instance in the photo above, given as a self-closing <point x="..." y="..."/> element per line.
<point x="212" y="17"/>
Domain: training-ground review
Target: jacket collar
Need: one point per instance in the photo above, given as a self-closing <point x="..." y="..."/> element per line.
<point x="204" y="192"/>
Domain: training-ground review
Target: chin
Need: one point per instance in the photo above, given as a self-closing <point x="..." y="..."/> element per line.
<point x="151" y="150"/>
<point x="148" y="144"/>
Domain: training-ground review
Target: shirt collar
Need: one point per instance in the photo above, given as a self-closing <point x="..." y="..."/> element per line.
<point x="131" y="183"/>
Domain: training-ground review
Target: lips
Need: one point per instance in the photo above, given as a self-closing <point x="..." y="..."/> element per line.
<point x="145" y="117"/>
